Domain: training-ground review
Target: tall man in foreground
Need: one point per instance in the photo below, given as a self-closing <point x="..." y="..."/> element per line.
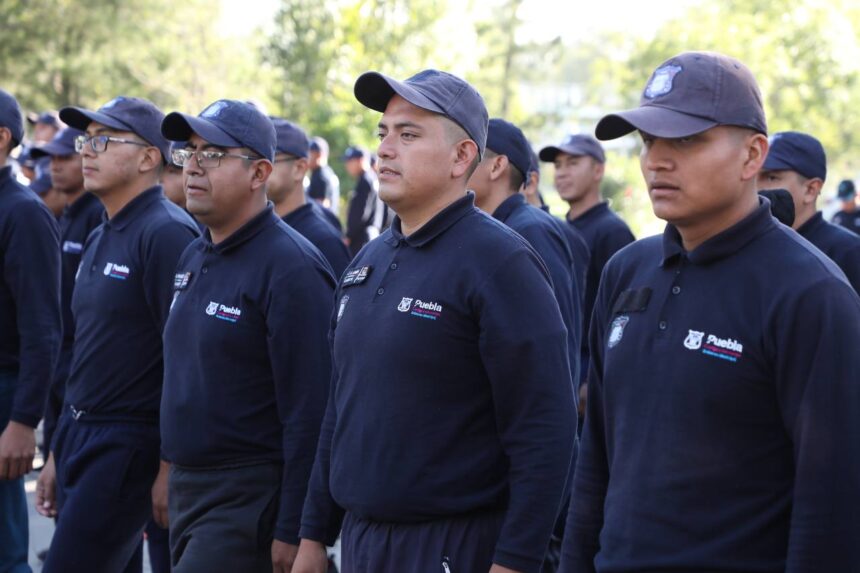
<point x="723" y="392"/>
<point x="449" y="430"/>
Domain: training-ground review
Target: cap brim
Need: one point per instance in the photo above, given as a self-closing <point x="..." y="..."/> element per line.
<point x="653" y="120"/>
<point x="772" y="163"/>
<point x="51" y="149"/>
<point x="375" y="90"/>
<point x="548" y="154"/>
<point x="179" y="127"/>
<point x="80" y="118"/>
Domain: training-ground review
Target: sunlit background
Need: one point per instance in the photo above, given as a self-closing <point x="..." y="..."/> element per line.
<point x="553" y="67"/>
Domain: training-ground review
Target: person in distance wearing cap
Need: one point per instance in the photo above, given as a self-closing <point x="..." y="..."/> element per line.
<point x="247" y="365"/>
<point x="105" y="449"/>
<point x="323" y="184"/>
<point x="722" y="391"/>
<point x="361" y="209"/>
<point x="285" y="189"/>
<point x="849" y="215"/>
<point x="450" y="428"/>
<point x="797" y="163"/>
<point x="29" y="333"/>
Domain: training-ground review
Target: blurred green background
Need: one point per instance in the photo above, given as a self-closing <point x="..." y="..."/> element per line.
<point x="552" y="67"/>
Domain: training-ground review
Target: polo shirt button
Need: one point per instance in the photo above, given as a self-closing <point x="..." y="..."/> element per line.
<point x="93" y="268"/>
<point x="380" y="291"/>
<point x="393" y="266"/>
<point x="663" y="325"/>
<point x="676" y="290"/>
<point x="204" y="270"/>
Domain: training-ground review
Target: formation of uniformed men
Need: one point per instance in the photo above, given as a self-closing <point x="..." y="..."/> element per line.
<point x="219" y="366"/>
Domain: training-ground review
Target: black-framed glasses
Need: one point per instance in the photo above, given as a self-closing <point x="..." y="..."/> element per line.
<point x="206" y="158"/>
<point x="98" y="143"/>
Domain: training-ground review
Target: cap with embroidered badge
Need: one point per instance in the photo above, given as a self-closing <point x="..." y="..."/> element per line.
<point x="576" y="144"/>
<point x="226" y="123"/>
<point x="432" y="90"/>
<point x="688" y="94"/>
<point x="292" y="139"/>
<point x="137" y="115"/>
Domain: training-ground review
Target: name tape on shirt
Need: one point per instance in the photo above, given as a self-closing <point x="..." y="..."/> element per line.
<point x="180" y="281"/>
<point x="356" y="276"/>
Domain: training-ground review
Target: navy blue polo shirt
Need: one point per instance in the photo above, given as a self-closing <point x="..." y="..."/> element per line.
<point x="313" y="225"/>
<point x="837" y="243"/>
<point x="722" y="425"/>
<point x="120" y="302"/>
<point x="537" y="227"/>
<point x="247" y="362"/>
<point x="578" y="248"/>
<point x="361" y="210"/>
<point x="324" y="184"/>
<point x="451" y="391"/>
<point x="30" y="324"/>
<point x="850" y="221"/>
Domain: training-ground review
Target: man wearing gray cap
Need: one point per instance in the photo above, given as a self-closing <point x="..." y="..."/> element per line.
<point x="724" y="409"/>
<point x="450" y="427"/>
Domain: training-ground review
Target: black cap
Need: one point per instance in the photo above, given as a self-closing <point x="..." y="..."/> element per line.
<point x="575" y="144"/>
<point x="798" y="152"/>
<point x="133" y="114"/>
<point x="439" y="92"/>
<point x="507" y="139"/>
<point x="689" y="94"/>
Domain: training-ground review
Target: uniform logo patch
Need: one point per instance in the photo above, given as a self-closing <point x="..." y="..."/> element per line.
<point x="223" y="312"/>
<point x="616" y="331"/>
<point x="356" y="276"/>
<point x="405" y="304"/>
<point x="420" y="308"/>
<point x="115" y="271"/>
<point x="180" y="281"/>
<point x="72" y="247"/>
<point x="727" y="349"/>
<point x="661" y="82"/>
<point x="214" y="110"/>
<point x="342" y="307"/>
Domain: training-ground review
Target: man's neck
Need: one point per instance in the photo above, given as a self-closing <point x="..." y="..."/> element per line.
<point x="693" y="235"/>
<point x="290" y="203"/>
<point x="116" y="200"/>
<point x="577" y="208"/>
<point x="412" y="221"/>
<point x="222" y="232"/>
<point x="491" y="201"/>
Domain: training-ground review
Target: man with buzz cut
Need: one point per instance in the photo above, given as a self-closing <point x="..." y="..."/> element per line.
<point x="449" y="430"/>
<point x="797" y="163"/>
<point x="106" y="446"/>
<point x="285" y="189"/>
<point x="723" y="410"/>
<point x="247" y="365"/>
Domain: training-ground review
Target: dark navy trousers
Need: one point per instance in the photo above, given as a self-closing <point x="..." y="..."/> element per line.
<point x="14" y="527"/>
<point x="105" y="472"/>
<point x="458" y="545"/>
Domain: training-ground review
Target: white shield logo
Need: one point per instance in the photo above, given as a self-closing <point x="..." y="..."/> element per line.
<point x="343" y="300"/>
<point x="212" y="308"/>
<point x="405" y="304"/>
<point x="661" y="83"/>
<point x="108" y="268"/>
<point x="617" y="330"/>
<point x="694" y="340"/>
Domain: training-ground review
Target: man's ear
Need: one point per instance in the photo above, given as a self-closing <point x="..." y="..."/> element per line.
<point x="757" y="147"/>
<point x="261" y="170"/>
<point x="150" y="160"/>
<point x="812" y="190"/>
<point x="466" y="152"/>
<point x="498" y="167"/>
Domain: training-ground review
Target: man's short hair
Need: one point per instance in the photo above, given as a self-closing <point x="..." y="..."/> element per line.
<point x="454" y="134"/>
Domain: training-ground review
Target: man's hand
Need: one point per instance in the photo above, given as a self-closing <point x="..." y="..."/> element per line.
<point x="283" y="556"/>
<point x="159" y="496"/>
<point x="499" y="569"/>
<point x="46" y="489"/>
<point x="17" y="448"/>
<point x="311" y="558"/>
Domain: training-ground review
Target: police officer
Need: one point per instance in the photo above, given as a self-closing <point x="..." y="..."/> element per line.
<point x="362" y="207"/>
<point x="579" y="168"/>
<point x="450" y="427"/>
<point x="849" y="215"/>
<point x="797" y="163"/>
<point x="29" y="334"/>
<point x="285" y="188"/>
<point x="106" y="446"/>
<point x="246" y="360"/>
<point x="323" y="185"/>
<point x="44" y="188"/>
<point x="723" y="399"/>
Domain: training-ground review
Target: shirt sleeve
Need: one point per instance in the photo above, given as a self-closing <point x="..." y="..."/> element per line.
<point x="160" y="256"/>
<point x="591" y="477"/>
<point x="31" y="268"/>
<point x="301" y="364"/>
<point x="524" y="350"/>
<point x="817" y="367"/>
<point x="322" y="516"/>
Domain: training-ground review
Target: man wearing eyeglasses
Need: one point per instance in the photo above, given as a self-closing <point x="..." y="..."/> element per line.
<point x="29" y="333"/>
<point x="247" y="364"/>
<point x="285" y="189"/>
<point x="106" y="447"/>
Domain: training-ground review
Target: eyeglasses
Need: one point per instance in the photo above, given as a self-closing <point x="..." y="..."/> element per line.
<point x="98" y="143"/>
<point x="205" y="158"/>
<point x="285" y="159"/>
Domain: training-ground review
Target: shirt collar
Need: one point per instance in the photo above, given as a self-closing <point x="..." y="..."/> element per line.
<point x="813" y="223"/>
<point x="435" y="226"/>
<point x="245" y="233"/>
<point x="297" y="214"/>
<point x="723" y="244"/>
<point x="593" y="212"/>
<point x="133" y="209"/>
<point x="508" y="206"/>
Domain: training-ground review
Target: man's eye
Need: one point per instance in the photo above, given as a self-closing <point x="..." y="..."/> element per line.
<point x="408" y="136"/>
<point x="210" y="154"/>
